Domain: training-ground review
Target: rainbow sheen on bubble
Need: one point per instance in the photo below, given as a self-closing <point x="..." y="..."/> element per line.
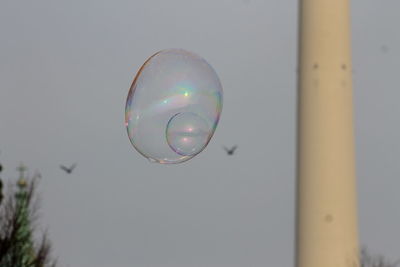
<point x="173" y="106"/>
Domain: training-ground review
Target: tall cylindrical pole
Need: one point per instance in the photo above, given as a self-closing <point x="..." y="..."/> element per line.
<point x="326" y="226"/>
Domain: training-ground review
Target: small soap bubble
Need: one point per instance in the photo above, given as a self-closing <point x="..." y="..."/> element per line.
<point x="173" y="106"/>
<point x="187" y="133"/>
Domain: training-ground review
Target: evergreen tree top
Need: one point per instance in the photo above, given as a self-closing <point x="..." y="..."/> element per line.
<point x="17" y="217"/>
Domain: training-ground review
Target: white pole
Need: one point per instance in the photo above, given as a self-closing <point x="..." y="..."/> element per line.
<point x="326" y="227"/>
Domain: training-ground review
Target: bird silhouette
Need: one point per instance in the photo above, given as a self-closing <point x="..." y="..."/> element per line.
<point x="231" y="150"/>
<point x="68" y="170"/>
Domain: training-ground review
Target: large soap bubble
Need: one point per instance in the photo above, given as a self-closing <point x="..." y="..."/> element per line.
<point x="173" y="106"/>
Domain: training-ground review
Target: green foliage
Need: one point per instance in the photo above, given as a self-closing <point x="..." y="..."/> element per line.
<point x="17" y="220"/>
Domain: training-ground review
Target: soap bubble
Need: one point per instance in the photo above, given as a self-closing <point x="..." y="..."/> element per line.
<point x="187" y="133"/>
<point x="173" y="106"/>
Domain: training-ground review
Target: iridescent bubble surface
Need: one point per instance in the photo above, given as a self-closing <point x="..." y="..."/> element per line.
<point x="173" y="106"/>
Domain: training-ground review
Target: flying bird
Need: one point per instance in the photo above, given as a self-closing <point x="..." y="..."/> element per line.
<point x="231" y="150"/>
<point x="68" y="170"/>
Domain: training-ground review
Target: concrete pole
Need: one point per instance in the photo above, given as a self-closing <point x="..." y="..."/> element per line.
<point x="326" y="227"/>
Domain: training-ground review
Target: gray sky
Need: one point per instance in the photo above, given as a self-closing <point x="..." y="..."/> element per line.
<point x="65" y="71"/>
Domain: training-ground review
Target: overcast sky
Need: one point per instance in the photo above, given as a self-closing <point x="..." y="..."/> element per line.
<point x="65" y="71"/>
